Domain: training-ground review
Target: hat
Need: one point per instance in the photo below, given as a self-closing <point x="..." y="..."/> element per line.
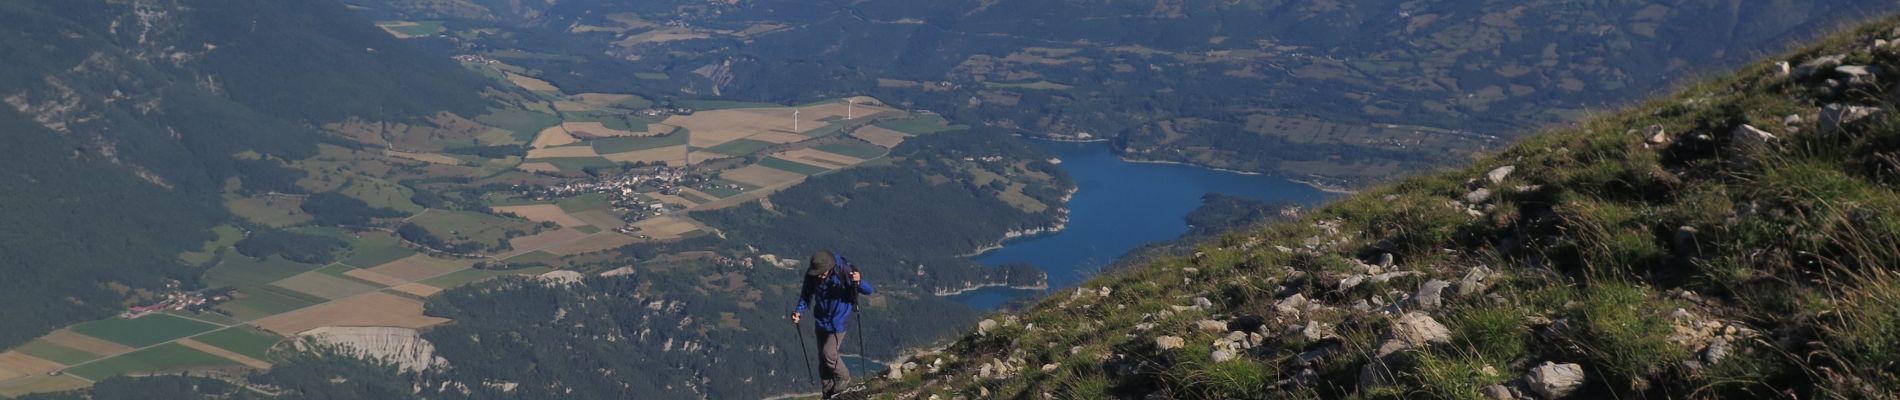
<point x="821" y="263"/>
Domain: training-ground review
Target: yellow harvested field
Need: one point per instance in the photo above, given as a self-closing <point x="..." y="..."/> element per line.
<point x="418" y="267"/>
<point x="380" y="279"/>
<point x="15" y="364"/>
<point x="712" y="128"/>
<point x="598" y="130"/>
<point x="565" y="105"/>
<point x="563" y="152"/>
<point x="760" y="176"/>
<point x="597" y="242"/>
<point x="538" y="167"/>
<point x="418" y="289"/>
<point x="666" y="228"/>
<point x="820" y="158"/>
<point x="550" y="137"/>
<point x="530" y="83"/>
<point x="662" y="35"/>
<point x="323" y="285"/>
<point x="544" y="239"/>
<point x="368" y="309"/>
<point x="777" y="137"/>
<point x="424" y="157"/>
<point x="227" y="354"/>
<point x="85" y="343"/>
<point x="880" y="136"/>
<point x="543" y="213"/>
<point x="671" y="155"/>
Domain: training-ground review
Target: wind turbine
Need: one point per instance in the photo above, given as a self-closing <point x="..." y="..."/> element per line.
<point x="847" y="108"/>
<point x="794" y="120"/>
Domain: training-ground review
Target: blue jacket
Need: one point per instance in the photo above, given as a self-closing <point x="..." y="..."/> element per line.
<point x="831" y="299"/>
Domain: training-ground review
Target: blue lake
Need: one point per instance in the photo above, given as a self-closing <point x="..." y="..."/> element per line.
<point x="1117" y="207"/>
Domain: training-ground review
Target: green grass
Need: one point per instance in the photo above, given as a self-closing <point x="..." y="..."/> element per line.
<point x="537" y="257"/>
<point x="707" y="105"/>
<point x="341" y="271"/>
<point x="632" y="143"/>
<point x="740" y="147"/>
<point x="584" y="203"/>
<point x="577" y="164"/>
<point x="56" y="353"/>
<point x="264" y="301"/>
<point x="696" y="198"/>
<point x="251" y="342"/>
<point x="241" y="271"/>
<point x="143" y="331"/>
<point x="652" y="76"/>
<point x="373" y="249"/>
<point x="167" y="357"/>
<point x="227" y="235"/>
<point x="467" y="276"/>
<point x="724" y="192"/>
<point x="465" y="226"/>
<point x="523" y="123"/>
<point x="921" y="125"/>
<point x="421" y="28"/>
<point x="381" y="194"/>
<point x="789" y="166"/>
<point x="1626" y="330"/>
<point x="854" y="149"/>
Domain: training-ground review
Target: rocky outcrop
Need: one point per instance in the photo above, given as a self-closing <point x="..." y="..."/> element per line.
<point x="402" y="346"/>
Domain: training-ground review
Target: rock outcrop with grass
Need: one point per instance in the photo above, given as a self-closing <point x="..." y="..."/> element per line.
<point x="1738" y="239"/>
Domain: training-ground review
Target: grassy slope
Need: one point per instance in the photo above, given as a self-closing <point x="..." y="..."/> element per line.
<point x="1784" y="251"/>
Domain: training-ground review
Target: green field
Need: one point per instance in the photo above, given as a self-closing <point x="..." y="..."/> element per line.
<point x="167" y="357"/>
<point x="373" y="249"/>
<point x="740" y="147"/>
<point x="56" y="353"/>
<point x="584" y="203"/>
<point x="380" y="194"/>
<point x="241" y="271"/>
<point x="631" y="143"/>
<point x="1037" y="85"/>
<point x="250" y="342"/>
<point x="855" y="149"/>
<point x="421" y="28"/>
<point x="41" y="384"/>
<point x="464" y="226"/>
<point x="576" y="164"/>
<point x="652" y="76"/>
<point x="696" y="198"/>
<point x="523" y="123"/>
<point x="467" y="276"/>
<point x="921" y="125"/>
<point x="534" y="257"/>
<point x="782" y="164"/>
<point x="264" y="301"/>
<point x="339" y="271"/>
<point x="143" y="331"/>
<point x="227" y="236"/>
<point x="827" y="130"/>
<point x="704" y="105"/>
<point x="724" y="192"/>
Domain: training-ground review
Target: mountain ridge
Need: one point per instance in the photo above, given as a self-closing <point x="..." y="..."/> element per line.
<point x="1734" y="239"/>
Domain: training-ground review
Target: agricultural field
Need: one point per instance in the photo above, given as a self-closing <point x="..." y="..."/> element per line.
<point x="542" y="213"/>
<point x="264" y="301"/>
<point x="143" y="331"/>
<point x="226" y="236"/>
<point x="418" y="267"/>
<point x="760" y="176"/>
<point x="483" y="230"/>
<point x="853" y="149"/>
<point x="921" y="125"/>
<point x="166" y="357"/>
<point x="248" y="341"/>
<point x="880" y="136"/>
<point x="740" y="147"/>
<point x="467" y="276"/>
<point x="267" y="210"/>
<point x="50" y="351"/>
<point x="410" y="29"/>
<point x="374" y="248"/>
<point x="241" y="271"/>
<point x="524" y="124"/>
<point x="41" y="384"/>
<point x="368" y="309"/>
<point x="790" y="166"/>
<point x="324" y="285"/>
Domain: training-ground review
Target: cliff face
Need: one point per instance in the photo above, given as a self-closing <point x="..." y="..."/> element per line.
<point x="1736" y="239"/>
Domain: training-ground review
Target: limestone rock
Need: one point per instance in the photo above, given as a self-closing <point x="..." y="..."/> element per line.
<point x="1499" y="392"/>
<point x="1749" y="137"/>
<point x="1656" y="135"/>
<point x="1858" y="75"/>
<point x="1818" y="66"/>
<point x="1473" y="281"/>
<point x="984" y="328"/>
<point x="1554" y="381"/>
<point x="1169" y="342"/>
<point x="1429" y="295"/>
<point x="1836" y="117"/>
<point x="1417" y="329"/>
<point x="1222" y="355"/>
<point x="1211" y="326"/>
<point x="1498" y="175"/>
<point x="1479" y="196"/>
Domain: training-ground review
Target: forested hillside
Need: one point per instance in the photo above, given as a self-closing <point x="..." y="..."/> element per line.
<point x="124" y="120"/>
<point x="1734" y="240"/>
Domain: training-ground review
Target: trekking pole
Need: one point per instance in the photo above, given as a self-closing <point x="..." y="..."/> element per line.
<point x="806" y="361"/>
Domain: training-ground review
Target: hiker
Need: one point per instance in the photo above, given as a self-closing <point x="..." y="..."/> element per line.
<point x="831" y="289"/>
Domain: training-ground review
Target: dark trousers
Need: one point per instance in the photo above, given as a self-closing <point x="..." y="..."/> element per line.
<point x="832" y="371"/>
